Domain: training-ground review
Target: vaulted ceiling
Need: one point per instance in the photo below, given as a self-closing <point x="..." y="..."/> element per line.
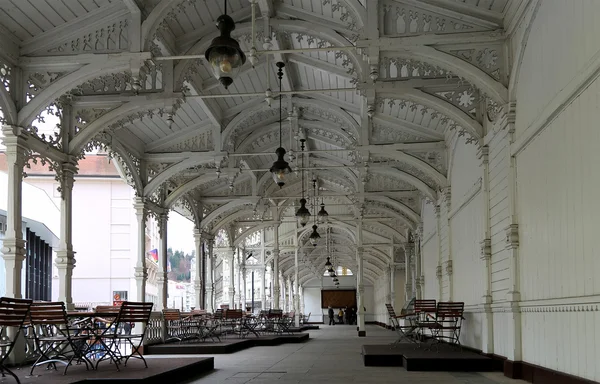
<point x="379" y="115"/>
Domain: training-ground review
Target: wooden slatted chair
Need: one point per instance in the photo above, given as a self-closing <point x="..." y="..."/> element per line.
<point x="448" y="322"/>
<point x="425" y="311"/>
<point x="177" y="329"/>
<point x="233" y="319"/>
<point x="133" y="313"/>
<point x="404" y="331"/>
<point x="56" y="341"/>
<point x="13" y="314"/>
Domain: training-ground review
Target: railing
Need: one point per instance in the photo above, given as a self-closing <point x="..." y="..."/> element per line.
<point x="156" y="331"/>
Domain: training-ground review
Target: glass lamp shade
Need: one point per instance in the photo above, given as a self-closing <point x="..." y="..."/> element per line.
<point x="224" y="53"/>
<point x="314" y="236"/>
<point x="323" y="215"/>
<point x="328" y="263"/>
<point x="303" y="214"/>
<point x="280" y="168"/>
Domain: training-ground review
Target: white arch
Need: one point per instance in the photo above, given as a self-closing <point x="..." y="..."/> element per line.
<point x="414" y="216"/>
<point x="101" y="65"/>
<point x="459" y="67"/>
<point x="461" y="118"/>
<point x="417" y="163"/>
<point x="137" y="180"/>
<point x="285" y="25"/>
<point x="401" y="175"/>
<point x="337" y="111"/>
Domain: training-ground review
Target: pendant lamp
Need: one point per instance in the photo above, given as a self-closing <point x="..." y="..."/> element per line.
<point x="280" y="168"/>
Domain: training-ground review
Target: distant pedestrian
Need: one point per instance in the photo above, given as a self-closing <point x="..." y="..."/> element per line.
<point x="330" y="314"/>
<point x="341" y="316"/>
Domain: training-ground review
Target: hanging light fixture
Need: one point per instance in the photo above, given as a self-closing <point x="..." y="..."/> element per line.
<point x="328" y="263"/>
<point x="314" y="236"/>
<point x="323" y="214"/>
<point x="280" y="168"/>
<point x="224" y="53"/>
<point x="302" y="214"/>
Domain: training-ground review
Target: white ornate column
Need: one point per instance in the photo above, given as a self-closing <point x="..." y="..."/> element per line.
<point x="162" y="279"/>
<point x="360" y="280"/>
<point x="198" y="278"/>
<point x="232" y="278"/>
<point x="141" y="273"/>
<point x="65" y="256"/>
<point x="487" y="325"/>
<point x="244" y="291"/>
<point x="296" y="297"/>
<point x="263" y="292"/>
<point x="408" y="257"/>
<point x="418" y="263"/>
<point x="276" y="293"/>
<point x="13" y="244"/>
<point x="438" y="269"/>
<point x="448" y="265"/>
<point x="209" y="277"/>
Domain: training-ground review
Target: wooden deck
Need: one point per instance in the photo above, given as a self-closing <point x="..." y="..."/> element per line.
<point x="419" y="359"/>
<point x="159" y="370"/>
<point x="229" y="345"/>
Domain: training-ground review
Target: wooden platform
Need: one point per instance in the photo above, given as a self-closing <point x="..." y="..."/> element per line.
<point x="445" y="359"/>
<point x="225" y="346"/>
<point x="159" y="370"/>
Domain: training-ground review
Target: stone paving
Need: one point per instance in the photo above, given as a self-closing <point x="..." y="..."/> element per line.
<point x="332" y="356"/>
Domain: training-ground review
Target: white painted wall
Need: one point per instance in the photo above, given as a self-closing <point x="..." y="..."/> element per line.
<point x="312" y="297"/>
<point x="557" y="180"/>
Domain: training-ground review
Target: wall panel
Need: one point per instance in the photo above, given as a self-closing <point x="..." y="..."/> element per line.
<point x="569" y="27"/>
<point x="558" y="211"/>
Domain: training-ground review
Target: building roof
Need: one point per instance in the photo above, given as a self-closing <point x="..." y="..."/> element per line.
<point x="90" y="166"/>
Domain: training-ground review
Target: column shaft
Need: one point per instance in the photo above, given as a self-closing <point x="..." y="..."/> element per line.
<point x="65" y="256"/>
<point x="163" y="282"/>
<point x="232" y="279"/>
<point x="140" y="271"/>
<point x="198" y="278"/>
<point x="210" y="307"/>
<point x="13" y="244"/>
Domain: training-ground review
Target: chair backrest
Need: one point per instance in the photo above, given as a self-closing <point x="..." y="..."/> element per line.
<point x="107" y="309"/>
<point x="425" y="306"/>
<point x="134" y="312"/>
<point x="390" y="310"/>
<point x="218" y="314"/>
<point x="450" y="309"/>
<point x="275" y="313"/>
<point x="233" y="314"/>
<point x="48" y="313"/>
<point x="171" y="314"/>
<point x="13" y="312"/>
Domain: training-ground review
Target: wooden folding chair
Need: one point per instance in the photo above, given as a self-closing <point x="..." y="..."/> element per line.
<point x="133" y="313"/>
<point x="13" y="313"/>
<point x="448" y="323"/>
<point x="405" y="332"/>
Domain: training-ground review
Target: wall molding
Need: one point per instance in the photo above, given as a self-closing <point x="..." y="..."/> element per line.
<point x="467" y="198"/>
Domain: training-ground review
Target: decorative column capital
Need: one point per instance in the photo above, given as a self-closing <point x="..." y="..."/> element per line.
<point x="163" y="218"/>
<point x="13" y="249"/>
<point x="438" y="271"/>
<point x="438" y="210"/>
<point x="140" y="273"/>
<point x="486" y="249"/>
<point x="360" y="250"/>
<point x="65" y="259"/>
<point x="512" y="236"/>
<point x="447" y="193"/>
<point x="483" y="154"/>
<point x="449" y="267"/>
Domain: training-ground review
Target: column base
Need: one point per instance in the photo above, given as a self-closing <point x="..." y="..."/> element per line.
<point x="362" y="333"/>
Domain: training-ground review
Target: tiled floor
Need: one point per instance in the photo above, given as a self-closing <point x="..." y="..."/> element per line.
<point x="331" y="356"/>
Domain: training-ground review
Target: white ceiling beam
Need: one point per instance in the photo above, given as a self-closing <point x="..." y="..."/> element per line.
<point x="409" y="126"/>
<point x="425" y="146"/>
<point x="178" y="136"/>
<point x="9" y="45"/>
<point x="320" y="65"/>
<point x="467" y="9"/>
<point x="135" y="26"/>
<point x="399" y="43"/>
<point x="397" y="84"/>
<point x="209" y="106"/>
<point x="91" y="21"/>
<point x="349" y="107"/>
<point x="299" y="13"/>
<point x="247" y="68"/>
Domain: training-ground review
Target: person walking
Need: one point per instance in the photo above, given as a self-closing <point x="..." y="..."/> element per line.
<point x="341" y="316"/>
<point x="330" y="314"/>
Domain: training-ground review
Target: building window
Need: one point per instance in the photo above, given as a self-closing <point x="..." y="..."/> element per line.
<point x="38" y="268"/>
